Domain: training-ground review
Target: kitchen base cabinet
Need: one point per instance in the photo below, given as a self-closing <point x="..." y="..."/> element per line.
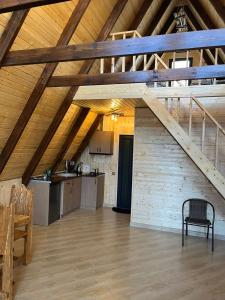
<point x="70" y="195"/>
<point x="92" y="192"/>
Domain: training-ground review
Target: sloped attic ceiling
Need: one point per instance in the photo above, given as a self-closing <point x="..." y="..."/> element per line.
<point x="42" y="28"/>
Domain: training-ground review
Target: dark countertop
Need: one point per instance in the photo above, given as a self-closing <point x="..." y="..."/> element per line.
<point x="59" y="178"/>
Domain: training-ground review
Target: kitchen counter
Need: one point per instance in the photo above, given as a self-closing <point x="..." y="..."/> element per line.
<point x="59" y="178"/>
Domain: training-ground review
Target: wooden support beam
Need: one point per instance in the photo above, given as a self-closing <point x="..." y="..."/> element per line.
<point x="219" y="7"/>
<point x="41" y="85"/>
<point x="87" y="138"/>
<point x="70" y="137"/>
<point x="110" y="22"/>
<point x="12" y="5"/>
<point x="11" y="31"/>
<point x="153" y="44"/>
<point x="215" y="71"/>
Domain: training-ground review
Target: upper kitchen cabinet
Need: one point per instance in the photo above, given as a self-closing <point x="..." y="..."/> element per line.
<point x="102" y="143"/>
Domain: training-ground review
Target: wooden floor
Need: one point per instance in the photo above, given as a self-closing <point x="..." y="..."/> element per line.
<point x="96" y="255"/>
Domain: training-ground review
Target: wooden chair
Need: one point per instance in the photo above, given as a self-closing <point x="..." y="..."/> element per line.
<point x="6" y="249"/>
<point x="197" y="216"/>
<point x="23" y="200"/>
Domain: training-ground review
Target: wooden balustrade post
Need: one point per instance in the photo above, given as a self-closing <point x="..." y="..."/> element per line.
<point x="216" y="62"/>
<point x="190" y="117"/>
<point x="145" y="62"/>
<point x="178" y="109"/>
<point x="124" y="57"/>
<point x="200" y="64"/>
<point x="217" y="146"/>
<point x="203" y="131"/>
<point x="101" y="65"/>
<point x="113" y="58"/>
<point x="156" y="68"/>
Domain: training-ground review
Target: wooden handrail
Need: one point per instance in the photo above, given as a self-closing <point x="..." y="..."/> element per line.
<point x="208" y="114"/>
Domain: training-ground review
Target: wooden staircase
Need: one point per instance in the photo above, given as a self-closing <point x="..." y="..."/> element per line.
<point x="185" y="141"/>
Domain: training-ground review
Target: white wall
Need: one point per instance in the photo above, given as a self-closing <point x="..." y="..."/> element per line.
<point x="109" y="163"/>
<point x="163" y="177"/>
<point x="5" y="189"/>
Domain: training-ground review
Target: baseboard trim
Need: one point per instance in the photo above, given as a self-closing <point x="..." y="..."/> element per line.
<point x="174" y="230"/>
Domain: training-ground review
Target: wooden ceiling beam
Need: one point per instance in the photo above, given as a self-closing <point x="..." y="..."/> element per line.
<point x="149" y="44"/>
<point x="75" y="127"/>
<point x="10" y="33"/>
<point x="87" y="138"/>
<point x="219" y="7"/>
<point x="41" y="85"/>
<point x="215" y="71"/>
<point x="105" y="31"/>
<point x="12" y="5"/>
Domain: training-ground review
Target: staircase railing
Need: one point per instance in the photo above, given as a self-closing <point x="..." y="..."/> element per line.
<point x="205" y="113"/>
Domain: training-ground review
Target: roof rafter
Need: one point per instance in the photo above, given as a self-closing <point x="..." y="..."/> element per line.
<point x="108" y="26"/>
<point x="219" y="7"/>
<point x="10" y="33"/>
<point x="12" y="5"/>
<point x="41" y="85"/>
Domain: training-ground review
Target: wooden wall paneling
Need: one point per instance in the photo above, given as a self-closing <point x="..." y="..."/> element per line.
<point x="57" y="141"/>
<point x="110" y="22"/>
<point x="140" y="15"/>
<point x="12" y="5"/>
<point x="87" y="138"/>
<point x="70" y="137"/>
<point x="153" y="44"/>
<point x="40" y="86"/>
<point x="11" y="31"/>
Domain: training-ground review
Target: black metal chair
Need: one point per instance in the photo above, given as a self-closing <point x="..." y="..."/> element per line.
<point x="198" y="217"/>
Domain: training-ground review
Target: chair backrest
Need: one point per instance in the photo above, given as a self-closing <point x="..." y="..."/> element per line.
<point x="23" y="199"/>
<point x="6" y="228"/>
<point x="198" y="208"/>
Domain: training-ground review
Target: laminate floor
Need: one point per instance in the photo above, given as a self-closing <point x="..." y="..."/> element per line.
<point x="97" y="256"/>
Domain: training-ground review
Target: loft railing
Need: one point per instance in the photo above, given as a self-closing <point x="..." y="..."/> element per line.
<point x="155" y="62"/>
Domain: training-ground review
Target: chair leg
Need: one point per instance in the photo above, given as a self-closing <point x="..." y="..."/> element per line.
<point x="7" y="276"/>
<point x="186" y="228"/>
<point x="182" y="234"/>
<point x="212" y="238"/>
<point x="207" y="232"/>
<point x="28" y="245"/>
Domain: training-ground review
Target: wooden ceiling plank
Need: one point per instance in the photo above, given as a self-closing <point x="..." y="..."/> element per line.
<point x="140" y="15"/>
<point x="41" y="85"/>
<point x="11" y="31"/>
<point x="149" y="44"/>
<point x="87" y="138"/>
<point x="219" y="7"/>
<point x="75" y="127"/>
<point x="214" y="71"/>
<point x="13" y="5"/>
<point x="108" y="26"/>
<point x="158" y="16"/>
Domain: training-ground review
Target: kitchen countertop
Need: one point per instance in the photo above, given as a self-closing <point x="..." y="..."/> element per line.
<point x="59" y="178"/>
